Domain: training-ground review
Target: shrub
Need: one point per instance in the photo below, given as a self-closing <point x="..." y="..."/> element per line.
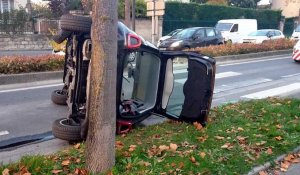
<point x="25" y="64"/>
<point x="235" y="49"/>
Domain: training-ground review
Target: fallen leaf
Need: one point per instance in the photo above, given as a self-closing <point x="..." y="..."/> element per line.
<point x="219" y="138"/>
<point x="173" y="147"/>
<point x="226" y="145"/>
<point x="119" y="144"/>
<point x="240" y="129"/>
<point x="202" y="154"/>
<point x="5" y="171"/>
<point x="269" y="151"/>
<point x="263" y="173"/>
<point x="202" y="139"/>
<point x="132" y="148"/>
<point x="65" y="163"/>
<point x="289" y="158"/>
<point x="260" y="143"/>
<point x="284" y="165"/>
<point x="144" y="163"/>
<point x="77" y="146"/>
<point x="163" y="148"/>
<point x="128" y="166"/>
<point x="278" y="138"/>
<point x="241" y="139"/>
<point x="193" y="160"/>
<point x="180" y="165"/>
<point x="278" y="126"/>
<point x="198" y="126"/>
<point x="26" y="174"/>
<point x="56" y="171"/>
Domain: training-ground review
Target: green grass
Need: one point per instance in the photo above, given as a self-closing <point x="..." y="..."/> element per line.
<point x="249" y="128"/>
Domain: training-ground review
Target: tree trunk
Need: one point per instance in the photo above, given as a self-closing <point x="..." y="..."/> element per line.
<point x="101" y="105"/>
<point x="127" y="13"/>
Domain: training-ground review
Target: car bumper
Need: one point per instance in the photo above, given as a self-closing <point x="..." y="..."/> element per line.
<point x="296" y="54"/>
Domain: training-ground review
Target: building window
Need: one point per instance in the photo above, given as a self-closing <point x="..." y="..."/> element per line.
<point x="5" y="5"/>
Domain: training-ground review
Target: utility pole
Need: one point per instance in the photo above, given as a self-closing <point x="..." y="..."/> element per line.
<point x="133" y="14"/>
<point x="127" y="13"/>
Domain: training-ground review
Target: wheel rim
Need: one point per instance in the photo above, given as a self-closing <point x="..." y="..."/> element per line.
<point x="68" y="122"/>
<point x="60" y="92"/>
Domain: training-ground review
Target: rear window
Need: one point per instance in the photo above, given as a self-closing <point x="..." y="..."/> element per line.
<point x="210" y="32"/>
<point x="224" y="26"/>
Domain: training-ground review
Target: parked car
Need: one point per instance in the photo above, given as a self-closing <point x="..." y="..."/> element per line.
<point x="233" y="30"/>
<point x="260" y="36"/>
<point x="146" y="84"/>
<point x="296" y="33"/>
<point x="169" y="35"/>
<point x="296" y="52"/>
<point x="191" y="38"/>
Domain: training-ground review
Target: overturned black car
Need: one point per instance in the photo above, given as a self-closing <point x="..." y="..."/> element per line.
<point x="173" y="84"/>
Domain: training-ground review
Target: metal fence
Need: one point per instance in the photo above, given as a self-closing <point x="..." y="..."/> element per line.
<point x="17" y="28"/>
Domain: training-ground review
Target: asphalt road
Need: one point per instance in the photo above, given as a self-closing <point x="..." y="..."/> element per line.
<point x="26" y="109"/>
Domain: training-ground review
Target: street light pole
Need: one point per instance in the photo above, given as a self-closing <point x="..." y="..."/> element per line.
<point x="133" y="15"/>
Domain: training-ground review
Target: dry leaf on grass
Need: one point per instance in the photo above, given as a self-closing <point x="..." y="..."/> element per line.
<point x="219" y="138"/>
<point x="198" y="126"/>
<point x="132" y="148"/>
<point x="65" y="163"/>
<point x="193" y="160"/>
<point x="278" y="138"/>
<point x="5" y="171"/>
<point x="56" y="171"/>
<point x="77" y="146"/>
<point x="173" y="147"/>
<point x="202" y="154"/>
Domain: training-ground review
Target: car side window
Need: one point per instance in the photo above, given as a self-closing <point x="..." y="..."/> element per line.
<point x="200" y="33"/>
<point x="277" y="33"/>
<point x="235" y="28"/>
<point x="210" y="32"/>
<point x="271" y="33"/>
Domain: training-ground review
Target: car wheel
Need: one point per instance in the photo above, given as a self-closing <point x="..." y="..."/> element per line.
<point x="297" y="61"/>
<point x="61" y="36"/>
<point x="76" y="23"/>
<point x="66" y="129"/>
<point x="59" y="97"/>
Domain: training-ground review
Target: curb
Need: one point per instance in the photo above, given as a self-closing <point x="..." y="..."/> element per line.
<point x="267" y="165"/>
<point x="29" y="77"/>
<point x="253" y="55"/>
<point x="40" y="76"/>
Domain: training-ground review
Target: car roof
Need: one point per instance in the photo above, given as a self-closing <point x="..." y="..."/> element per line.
<point x="199" y="28"/>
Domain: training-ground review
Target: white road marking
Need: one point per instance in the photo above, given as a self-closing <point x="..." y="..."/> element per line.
<point x="180" y="71"/>
<point x="2" y="133"/>
<point x="30" y="88"/>
<point x="292" y="75"/>
<point x="273" y="92"/>
<point x="241" y="84"/>
<point x="227" y="74"/>
<point x="254" y="61"/>
<point x="218" y="76"/>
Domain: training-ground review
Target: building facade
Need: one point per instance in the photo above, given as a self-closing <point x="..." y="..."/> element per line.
<point x="290" y="8"/>
<point x="8" y="5"/>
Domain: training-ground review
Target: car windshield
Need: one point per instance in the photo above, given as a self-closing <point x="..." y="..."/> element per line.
<point x="174" y="32"/>
<point x="259" y="33"/>
<point x="184" y="34"/>
<point x="224" y="26"/>
<point x="297" y="29"/>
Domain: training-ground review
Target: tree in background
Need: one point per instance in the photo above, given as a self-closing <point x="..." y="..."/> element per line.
<point x="199" y="1"/>
<point x="56" y="8"/>
<point x="243" y="3"/>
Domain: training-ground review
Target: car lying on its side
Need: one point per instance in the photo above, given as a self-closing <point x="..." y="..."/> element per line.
<point x="296" y="52"/>
<point x="260" y="36"/>
<point x="169" y="35"/>
<point x="191" y="38"/>
<point x="149" y="81"/>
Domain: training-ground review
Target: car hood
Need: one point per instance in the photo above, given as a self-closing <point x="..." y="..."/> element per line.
<point x="164" y="38"/>
<point x="168" y="42"/>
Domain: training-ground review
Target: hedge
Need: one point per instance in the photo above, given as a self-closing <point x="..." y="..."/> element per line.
<point x="25" y="64"/>
<point x="183" y="15"/>
<point x="236" y="49"/>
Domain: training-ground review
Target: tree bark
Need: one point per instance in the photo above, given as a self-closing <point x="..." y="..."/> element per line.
<point x="101" y="105"/>
<point x="127" y="13"/>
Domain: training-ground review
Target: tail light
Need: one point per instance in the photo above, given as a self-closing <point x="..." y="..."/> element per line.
<point x="133" y="41"/>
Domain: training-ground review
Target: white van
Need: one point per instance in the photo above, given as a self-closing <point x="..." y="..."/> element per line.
<point x="234" y="30"/>
<point x="296" y="33"/>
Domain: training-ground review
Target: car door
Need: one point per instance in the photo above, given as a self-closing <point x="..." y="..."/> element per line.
<point x="186" y="86"/>
<point x="211" y="37"/>
<point x="178" y="85"/>
<point x="199" y="38"/>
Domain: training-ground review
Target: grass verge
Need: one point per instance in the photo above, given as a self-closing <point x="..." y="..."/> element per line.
<point x="238" y="137"/>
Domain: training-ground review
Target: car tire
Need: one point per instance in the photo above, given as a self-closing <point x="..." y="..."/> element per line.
<point x="65" y="129"/>
<point x="59" y="97"/>
<point x="76" y="23"/>
<point x="61" y="36"/>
